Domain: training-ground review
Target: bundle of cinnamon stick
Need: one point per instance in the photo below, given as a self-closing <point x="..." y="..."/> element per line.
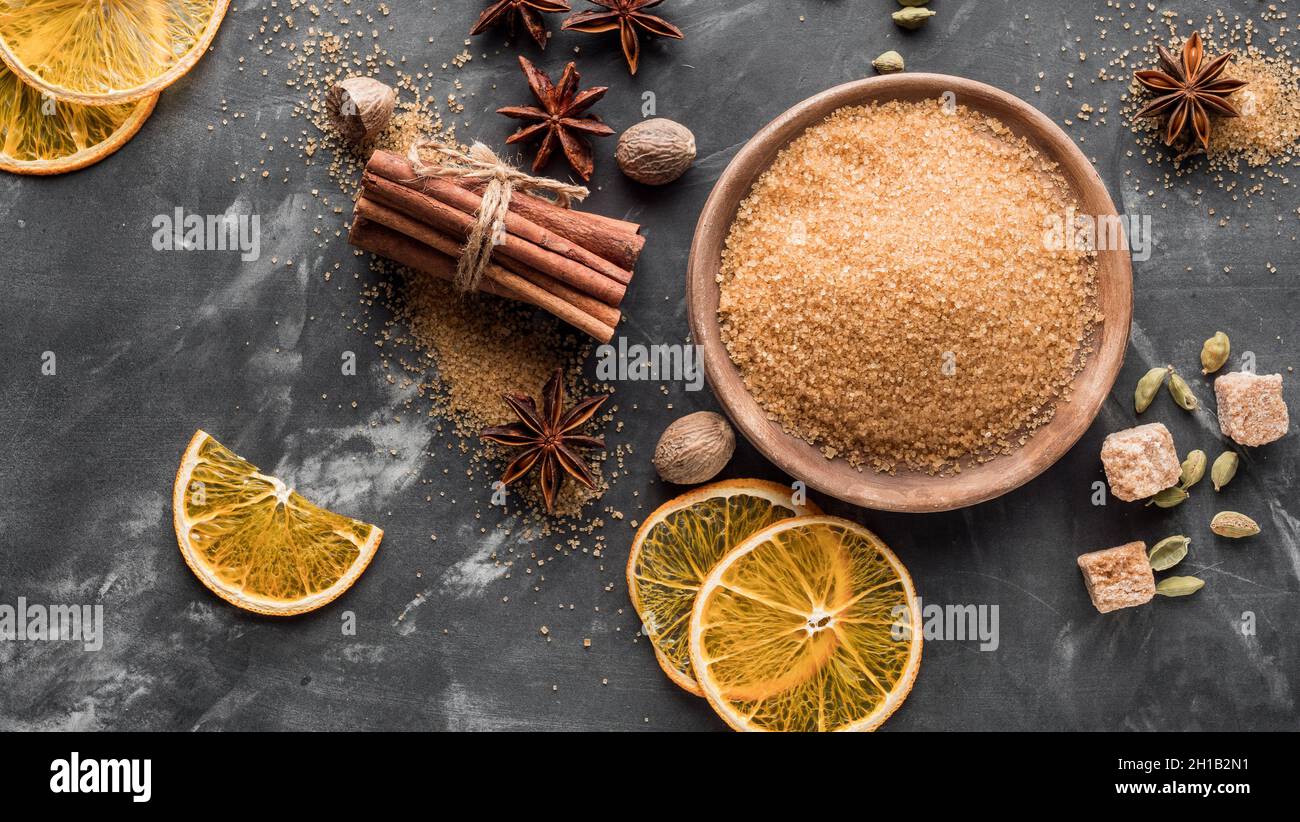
<point x="574" y="264"/>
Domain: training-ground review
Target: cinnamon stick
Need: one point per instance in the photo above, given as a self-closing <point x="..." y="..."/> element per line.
<point x="395" y="169"/>
<point x="618" y="241"/>
<point x="379" y="239"/>
<point x="588" y="237"/>
<point x="459" y="224"/>
<point x="449" y="246"/>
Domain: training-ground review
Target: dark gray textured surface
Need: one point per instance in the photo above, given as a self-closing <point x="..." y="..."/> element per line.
<point x="152" y="345"/>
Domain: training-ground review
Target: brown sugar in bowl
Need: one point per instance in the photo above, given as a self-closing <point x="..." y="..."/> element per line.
<point x="906" y="490"/>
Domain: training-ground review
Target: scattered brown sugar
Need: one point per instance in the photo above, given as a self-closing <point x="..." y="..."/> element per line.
<point x="470" y="350"/>
<point x="1268" y="131"/>
<point x="1252" y="158"/>
<point x="482" y="347"/>
<point x="888" y="293"/>
<point x="1269" y="128"/>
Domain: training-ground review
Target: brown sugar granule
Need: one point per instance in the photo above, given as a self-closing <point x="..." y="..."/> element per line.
<point x="889" y="294"/>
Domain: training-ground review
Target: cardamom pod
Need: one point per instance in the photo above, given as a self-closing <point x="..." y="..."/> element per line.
<point x="1193" y="469"/>
<point x="912" y="17"/>
<point x="1168" y="552"/>
<point x="1215" y="352"/>
<point x="1232" y="525"/>
<point x="1225" y="468"/>
<point x="1179" y="586"/>
<point x="888" y="63"/>
<point x="1181" y="392"/>
<point x="1148" y="387"/>
<point x="1169" y="497"/>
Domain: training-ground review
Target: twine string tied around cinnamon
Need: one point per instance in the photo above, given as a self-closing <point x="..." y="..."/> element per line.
<point x="481" y="164"/>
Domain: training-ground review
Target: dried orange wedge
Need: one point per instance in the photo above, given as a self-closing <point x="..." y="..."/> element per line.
<point x="98" y="52"/>
<point x="255" y="542"/>
<point x="46" y="136"/>
<point x="677" y="546"/>
<point x="811" y="624"/>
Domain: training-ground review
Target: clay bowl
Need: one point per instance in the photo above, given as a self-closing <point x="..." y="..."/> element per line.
<point x="908" y="491"/>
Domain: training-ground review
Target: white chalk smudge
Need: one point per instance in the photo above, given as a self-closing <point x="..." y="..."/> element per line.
<point x="204" y="615"/>
<point x="466" y="711"/>
<point x="467" y="578"/>
<point x="1288" y="529"/>
<point x="472" y="575"/>
<point x="356" y="467"/>
<point x="361" y="653"/>
<point x="401" y="624"/>
<point x="281" y="242"/>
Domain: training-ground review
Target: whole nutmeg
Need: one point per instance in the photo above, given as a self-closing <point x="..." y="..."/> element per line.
<point x="694" y="448"/>
<point x="656" y="151"/>
<point x="360" y="107"/>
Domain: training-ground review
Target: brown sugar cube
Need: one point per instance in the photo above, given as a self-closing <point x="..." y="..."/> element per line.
<point x="1118" y="577"/>
<point x="1140" y="462"/>
<point x="1252" y="410"/>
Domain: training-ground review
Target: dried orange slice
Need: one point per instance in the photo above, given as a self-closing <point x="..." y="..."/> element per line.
<point x="255" y="542"/>
<point x="98" y="52"/>
<point x="811" y="624"/>
<point x="679" y="543"/>
<point x="46" y="136"/>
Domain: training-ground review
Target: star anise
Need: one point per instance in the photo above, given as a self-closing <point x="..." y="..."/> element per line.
<point x="529" y="11"/>
<point x="1189" y="90"/>
<point x="548" y="437"/>
<point x="558" y="120"/>
<point x="627" y="16"/>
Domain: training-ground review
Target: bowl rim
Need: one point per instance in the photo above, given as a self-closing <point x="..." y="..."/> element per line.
<point x="868" y="488"/>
